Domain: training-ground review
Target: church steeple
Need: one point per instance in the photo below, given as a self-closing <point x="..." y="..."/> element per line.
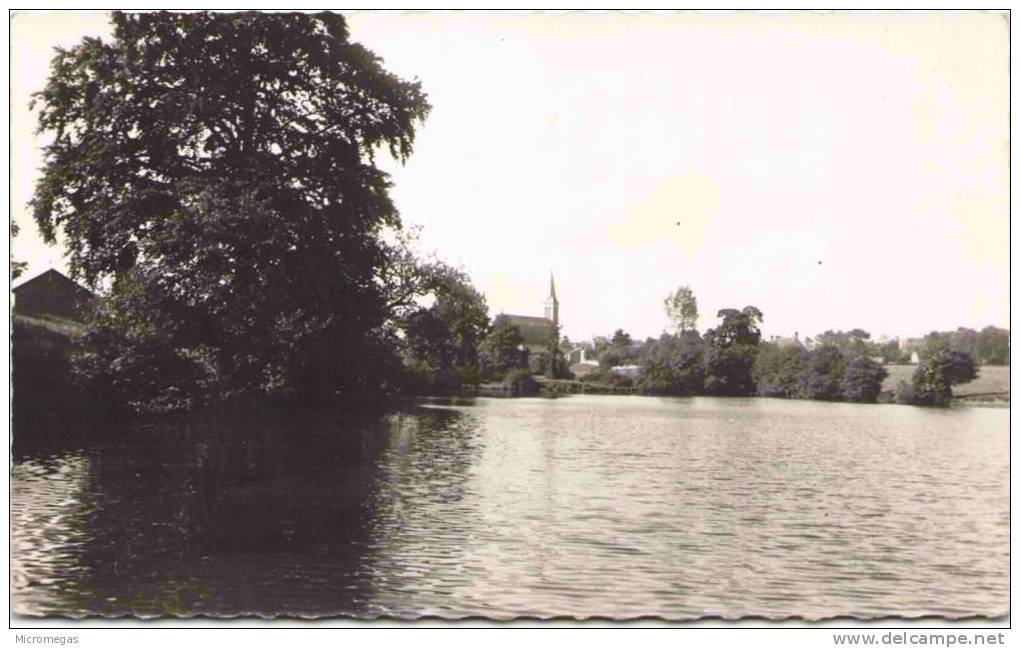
<point x="552" y="305"/>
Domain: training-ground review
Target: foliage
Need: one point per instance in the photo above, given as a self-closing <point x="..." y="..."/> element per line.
<point x="854" y="342"/>
<point x="857" y="342"/>
<point x="738" y="327"/>
<point x="778" y="370"/>
<point x="615" y="350"/>
<point x="429" y="381"/>
<point x="17" y="267"/>
<point x="891" y="353"/>
<point x="221" y="168"/>
<point x="674" y="365"/>
<point x="732" y="348"/>
<point x="520" y="381"/>
<point x="728" y="370"/>
<point x="862" y="382"/>
<point x="682" y="309"/>
<point x="617" y="380"/>
<point x="938" y="372"/>
<point x="993" y="346"/>
<point x="502" y="347"/>
<point x="905" y="394"/>
<point x="824" y="374"/>
<point x="621" y="339"/>
<point x="988" y="346"/>
<point x="128" y="356"/>
<point x="554" y="364"/>
<point x="445" y="336"/>
<point x="612" y="357"/>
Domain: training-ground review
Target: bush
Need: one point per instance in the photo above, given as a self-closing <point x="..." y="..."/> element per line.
<point x="520" y="381"/>
<point x="938" y="372"/>
<point x="445" y="381"/>
<point x="778" y="371"/>
<point x="905" y="394"/>
<point x="728" y="370"/>
<point x="135" y="365"/>
<point x="863" y="380"/>
<point x="469" y="375"/>
<point x="618" y="380"/>
<point x="824" y="374"/>
<point x="674" y="365"/>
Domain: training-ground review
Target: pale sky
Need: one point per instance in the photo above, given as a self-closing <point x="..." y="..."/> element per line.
<point x="835" y="170"/>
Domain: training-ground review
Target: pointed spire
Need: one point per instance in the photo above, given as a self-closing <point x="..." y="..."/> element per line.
<point x="552" y="286"/>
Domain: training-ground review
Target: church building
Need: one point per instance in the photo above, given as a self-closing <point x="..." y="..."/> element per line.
<point x="537" y="331"/>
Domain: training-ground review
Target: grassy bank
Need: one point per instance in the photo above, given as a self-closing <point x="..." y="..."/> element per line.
<point x="991" y="385"/>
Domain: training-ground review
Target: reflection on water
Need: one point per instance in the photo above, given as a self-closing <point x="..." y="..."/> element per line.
<point x="580" y="506"/>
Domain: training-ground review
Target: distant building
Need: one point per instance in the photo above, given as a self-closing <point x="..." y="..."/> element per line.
<point x="631" y="371"/>
<point x="51" y="294"/>
<point x="539" y="331"/>
<point x="581" y="361"/>
<point x="579" y="355"/>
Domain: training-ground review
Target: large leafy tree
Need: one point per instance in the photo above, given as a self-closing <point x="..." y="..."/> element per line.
<point x="673" y="365"/>
<point x="222" y="166"/>
<point x="616" y="350"/>
<point x="934" y="378"/>
<point x="993" y="345"/>
<point x="682" y="309"/>
<point x="732" y="349"/>
<point x="862" y="382"/>
<point x="778" y="370"/>
<point x="446" y="334"/>
<point x="503" y="348"/>
<point x="555" y="364"/>
<point x="824" y="374"/>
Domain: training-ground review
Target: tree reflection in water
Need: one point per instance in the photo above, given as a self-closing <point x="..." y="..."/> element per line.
<point x="220" y="518"/>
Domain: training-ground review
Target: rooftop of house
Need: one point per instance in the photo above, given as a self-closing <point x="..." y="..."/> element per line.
<point x="51" y="275"/>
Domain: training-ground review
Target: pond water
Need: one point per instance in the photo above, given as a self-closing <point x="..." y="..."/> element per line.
<point x="580" y="506"/>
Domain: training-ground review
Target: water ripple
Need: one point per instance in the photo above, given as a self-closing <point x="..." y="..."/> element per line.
<point x="586" y="506"/>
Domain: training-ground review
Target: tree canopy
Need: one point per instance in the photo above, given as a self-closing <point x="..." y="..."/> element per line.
<point x="503" y="348"/>
<point x="682" y="309"/>
<point x="17" y="267"/>
<point x="223" y="166"/>
<point x="934" y="378"/>
<point x="732" y="349"/>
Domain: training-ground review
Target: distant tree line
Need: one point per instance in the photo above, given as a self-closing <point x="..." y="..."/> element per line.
<point x="858" y="342"/>
<point x="732" y="360"/>
<point x="989" y="346"/>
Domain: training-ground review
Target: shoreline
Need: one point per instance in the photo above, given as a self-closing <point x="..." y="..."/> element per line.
<point x="558" y="388"/>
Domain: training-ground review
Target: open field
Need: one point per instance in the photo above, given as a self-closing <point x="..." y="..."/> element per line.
<point x="991" y="380"/>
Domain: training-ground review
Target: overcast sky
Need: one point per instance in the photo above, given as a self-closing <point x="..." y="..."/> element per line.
<point x="834" y="170"/>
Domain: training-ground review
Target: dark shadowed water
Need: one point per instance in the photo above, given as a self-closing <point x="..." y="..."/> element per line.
<point x="581" y="506"/>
